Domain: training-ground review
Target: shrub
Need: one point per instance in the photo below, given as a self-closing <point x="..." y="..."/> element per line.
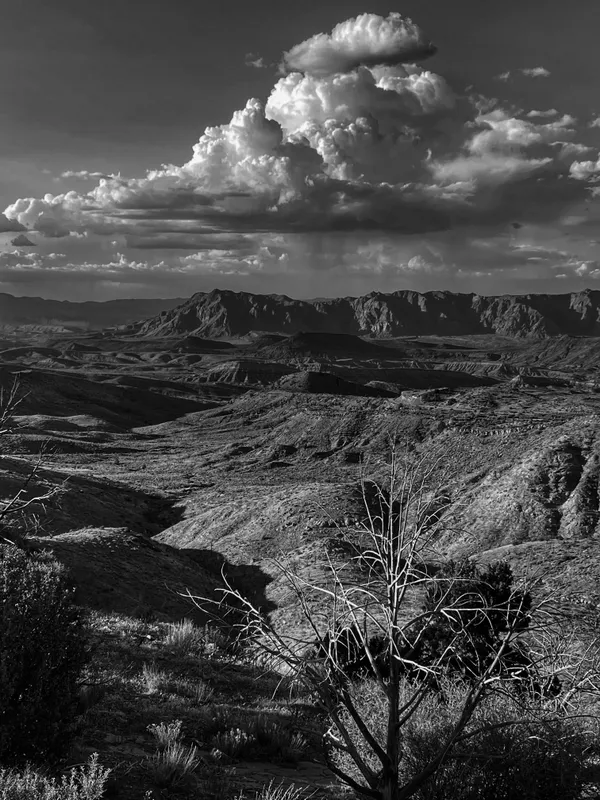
<point x="485" y="604"/>
<point x="467" y="612"/>
<point x="82" y="783"/>
<point x="42" y="652"/>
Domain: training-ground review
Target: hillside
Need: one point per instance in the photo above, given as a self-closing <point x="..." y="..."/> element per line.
<point x="402" y="313"/>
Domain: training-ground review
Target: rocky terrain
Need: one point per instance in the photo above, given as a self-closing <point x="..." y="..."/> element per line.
<point x="233" y="430"/>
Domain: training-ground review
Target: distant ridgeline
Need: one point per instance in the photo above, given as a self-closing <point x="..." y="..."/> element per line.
<point x="18" y="311"/>
<point x="403" y="313"/>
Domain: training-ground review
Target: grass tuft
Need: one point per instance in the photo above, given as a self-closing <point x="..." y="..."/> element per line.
<point x="155" y="680"/>
<point x="184" y="637"/>
<point x="166" y="733"/>
<point x="174" y="765"/>
<point x="279" y="791"/>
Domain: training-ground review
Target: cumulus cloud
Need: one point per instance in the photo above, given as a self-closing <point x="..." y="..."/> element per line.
<point x="595" y="123"/>
<point x="366" y="40"/>
<point x="22" y="241"/>
<point x="392" y="96"/>
<point x="355" y="137"/>
<point x="586" y="170"/>
<point x="59" y="262"/>
<point x="17" y="259"/>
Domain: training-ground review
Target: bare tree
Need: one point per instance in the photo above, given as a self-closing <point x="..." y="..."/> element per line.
<point x="370" y="622"/>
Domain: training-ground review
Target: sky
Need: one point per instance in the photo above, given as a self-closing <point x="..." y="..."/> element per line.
<point x="156" y="148"/>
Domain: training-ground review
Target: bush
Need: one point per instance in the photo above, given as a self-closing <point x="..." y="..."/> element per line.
<point x="82" y="783"/>
<point x="480" y="605"/>
<point x="42" y="652"/>
<point x="515" y="753"/>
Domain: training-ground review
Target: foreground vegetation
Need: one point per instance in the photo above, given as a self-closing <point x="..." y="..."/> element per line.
<point x="170" y="709"/>
<point x="174" y="710"/>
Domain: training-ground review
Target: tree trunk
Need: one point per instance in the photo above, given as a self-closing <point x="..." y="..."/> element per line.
<point x="390" y="786"/>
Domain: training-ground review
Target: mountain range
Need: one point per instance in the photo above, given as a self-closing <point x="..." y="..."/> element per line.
<point x="224" y="313"/>
<point x="402" y="313"/>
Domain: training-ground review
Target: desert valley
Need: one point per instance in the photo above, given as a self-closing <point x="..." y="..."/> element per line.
<point x="230" y="430"/>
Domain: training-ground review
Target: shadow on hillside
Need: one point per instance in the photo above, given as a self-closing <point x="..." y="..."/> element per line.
<point x="249" y="580"/>
<point x="76" y="502"/>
